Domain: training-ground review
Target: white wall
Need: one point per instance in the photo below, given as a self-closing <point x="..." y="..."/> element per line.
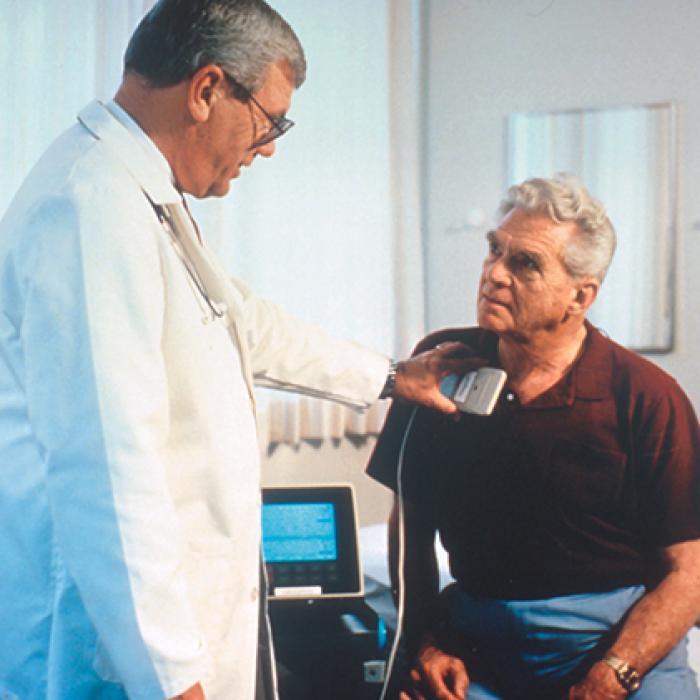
<point x="485" y="59"/>
<point x="332" y="463"/>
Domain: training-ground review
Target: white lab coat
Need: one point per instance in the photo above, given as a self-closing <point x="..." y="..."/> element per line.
<point x="129" y="470"/>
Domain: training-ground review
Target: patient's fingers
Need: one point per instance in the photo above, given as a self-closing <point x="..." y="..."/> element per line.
<point x="415" y="695"/>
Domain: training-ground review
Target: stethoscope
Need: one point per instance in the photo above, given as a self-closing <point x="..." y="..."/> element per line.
<point x="218" y="310"/>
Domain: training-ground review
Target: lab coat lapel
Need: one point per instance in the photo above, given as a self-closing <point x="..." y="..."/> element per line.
<point x="214" y="281"/>
<point x="151" y="175"/>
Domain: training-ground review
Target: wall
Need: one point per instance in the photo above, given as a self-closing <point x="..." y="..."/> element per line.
<point x="334" y="462"/>
<point x="485" y="59"/>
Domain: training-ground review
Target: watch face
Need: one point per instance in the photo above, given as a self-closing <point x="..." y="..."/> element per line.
<point x="633" y="683"/>
<point x="627" y="675"/>
<point x="629" y="679"/>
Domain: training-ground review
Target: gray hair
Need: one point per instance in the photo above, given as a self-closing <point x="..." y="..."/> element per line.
<point x="177" y="37"/>
<point x="564" y="198"/>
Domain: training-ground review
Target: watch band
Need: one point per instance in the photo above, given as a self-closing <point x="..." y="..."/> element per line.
<point x="627" y="675"/>
<point x="390" y="382"/>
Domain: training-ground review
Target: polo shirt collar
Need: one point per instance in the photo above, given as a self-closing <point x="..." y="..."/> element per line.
<point x="132" y="146"/>
<point x="590" y="378"/>
<point x="593" y="373"/>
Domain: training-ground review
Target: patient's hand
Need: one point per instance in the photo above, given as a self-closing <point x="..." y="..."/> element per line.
<point x="418" y="378"/>
<point x="437" y="676"/>
<point x="599" y="684"/>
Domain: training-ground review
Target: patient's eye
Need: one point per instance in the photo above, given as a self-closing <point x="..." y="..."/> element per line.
<point x="494" y="248"/>
<point x="530" y="263"/>
<point x="525" y="262"/>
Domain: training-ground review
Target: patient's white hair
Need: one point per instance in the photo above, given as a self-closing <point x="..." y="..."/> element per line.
<point x="564" y="198"/>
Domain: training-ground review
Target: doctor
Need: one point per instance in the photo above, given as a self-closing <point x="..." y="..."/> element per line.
<point x="129" y="479"/>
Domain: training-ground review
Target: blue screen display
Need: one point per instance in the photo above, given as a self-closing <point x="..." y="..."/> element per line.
<point x="299" y="532"/>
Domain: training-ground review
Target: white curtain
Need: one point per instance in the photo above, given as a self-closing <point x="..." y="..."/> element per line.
<point x="405" y="110"/>
<point x="329" y="227"/>
<point x="54" y="57"/>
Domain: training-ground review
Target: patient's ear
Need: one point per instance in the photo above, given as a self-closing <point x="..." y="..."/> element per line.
<point x="583" y="295"/>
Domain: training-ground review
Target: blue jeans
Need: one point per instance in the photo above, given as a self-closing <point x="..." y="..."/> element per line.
<point x="537" y="649"/>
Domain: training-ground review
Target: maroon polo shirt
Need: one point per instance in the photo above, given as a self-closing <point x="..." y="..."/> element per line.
<point x="574" y="492"/>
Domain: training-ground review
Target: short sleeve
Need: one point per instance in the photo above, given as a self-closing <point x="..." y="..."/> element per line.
<point x="668" y="451"/>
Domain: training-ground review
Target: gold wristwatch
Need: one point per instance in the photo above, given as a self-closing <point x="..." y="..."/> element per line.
<point x="627" y="675"/>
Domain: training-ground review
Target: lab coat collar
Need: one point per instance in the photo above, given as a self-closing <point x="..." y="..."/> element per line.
<point x="152" y="174"/>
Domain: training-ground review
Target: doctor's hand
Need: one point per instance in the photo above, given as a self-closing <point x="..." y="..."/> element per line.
<point x="418" y="378"/>
<point x="437" y="676"/>
<point x="196" y="692"/>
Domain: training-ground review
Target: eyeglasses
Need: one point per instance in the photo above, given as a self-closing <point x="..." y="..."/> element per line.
<point x="279" y="125"/>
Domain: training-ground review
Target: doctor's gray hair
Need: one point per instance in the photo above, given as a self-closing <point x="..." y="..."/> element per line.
<point x="177" y="37"/>
<point x="589" y="252"/>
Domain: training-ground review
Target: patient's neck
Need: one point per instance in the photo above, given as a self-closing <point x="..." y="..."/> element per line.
<point x="537" y="362"/>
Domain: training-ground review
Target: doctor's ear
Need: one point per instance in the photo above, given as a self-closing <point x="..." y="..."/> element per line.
<point x="205" y="87"/>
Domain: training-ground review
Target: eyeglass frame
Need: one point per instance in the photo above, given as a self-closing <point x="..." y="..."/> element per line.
<point x="280" y="125"/>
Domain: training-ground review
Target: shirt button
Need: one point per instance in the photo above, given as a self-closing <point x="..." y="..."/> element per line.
<point x="510" y="396"/>
<point x="254" y="594"/>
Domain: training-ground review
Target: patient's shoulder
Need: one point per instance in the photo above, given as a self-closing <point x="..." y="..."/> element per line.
<point x="473" y="337"/>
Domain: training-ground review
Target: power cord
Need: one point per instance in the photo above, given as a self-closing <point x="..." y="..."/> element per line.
<point x="400" y="561"/>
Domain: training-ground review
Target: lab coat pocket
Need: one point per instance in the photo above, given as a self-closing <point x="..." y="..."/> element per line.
<point x="210" y="569"/>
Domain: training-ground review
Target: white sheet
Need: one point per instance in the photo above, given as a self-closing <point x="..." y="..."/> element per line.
<point x="373" y="549"/>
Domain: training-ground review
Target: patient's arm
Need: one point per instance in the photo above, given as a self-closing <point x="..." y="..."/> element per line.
<point x="435" y="673"/>
<point x="420" y="571"/>
<point x="654" y="625"/>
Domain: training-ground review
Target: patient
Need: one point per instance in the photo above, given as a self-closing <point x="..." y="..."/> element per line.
<point x="571" y="516"/>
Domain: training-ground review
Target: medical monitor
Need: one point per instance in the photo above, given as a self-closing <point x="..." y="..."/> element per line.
<point x="310" y="543"/>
